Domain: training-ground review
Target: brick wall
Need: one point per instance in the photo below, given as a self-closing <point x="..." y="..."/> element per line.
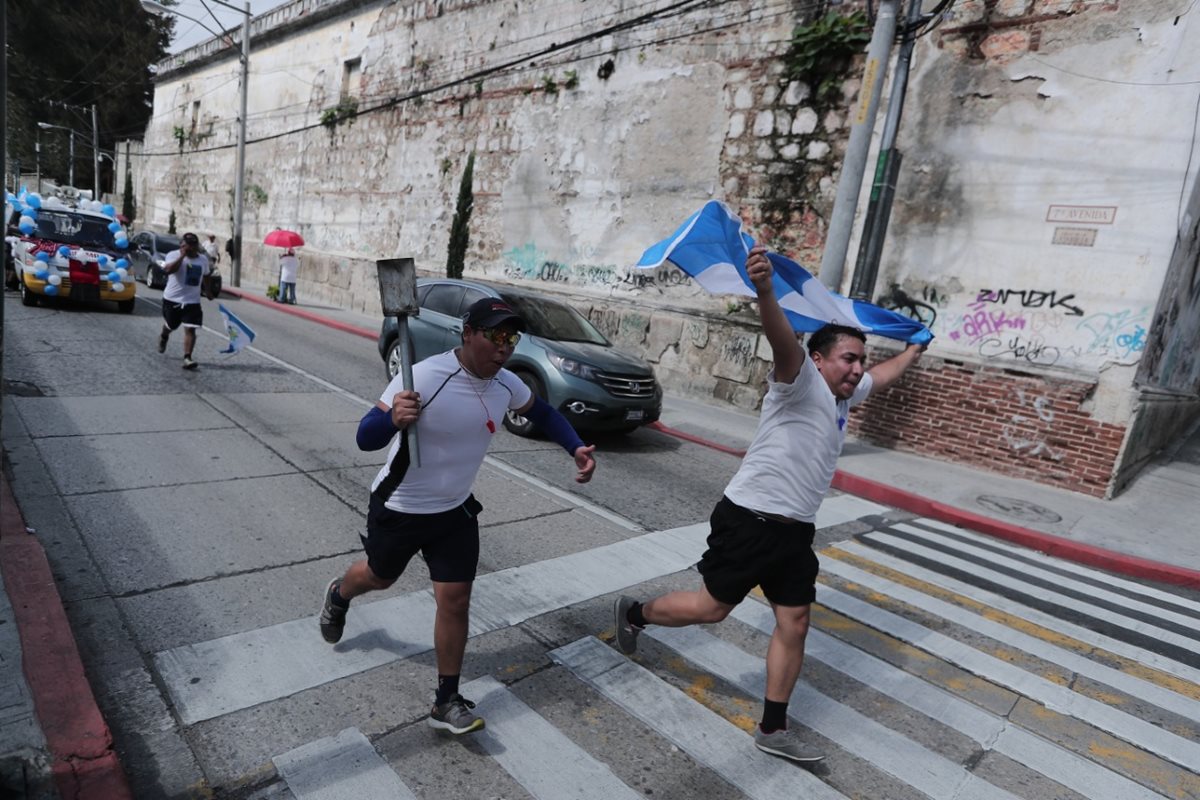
<point x="1014" y="423"/>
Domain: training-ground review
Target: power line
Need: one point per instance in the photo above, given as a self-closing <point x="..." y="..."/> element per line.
<point x="508" y="68"/>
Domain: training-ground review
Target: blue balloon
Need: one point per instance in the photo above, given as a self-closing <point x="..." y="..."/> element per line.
<point x="122" y="263"/>
<point x="63" y="250"/>
<point x="43" y="257"/>
<point x="114" y="226"/>
<point x="114" y="277"/>
<point x="108" y="209"/>
<point x="42" y="274"/>
<point x="121" y="242"/>
<point x="27" y="227"/>
<point x="51" y="290"/>
<point x="34" y="201"/>
<point x="102" y="259"/>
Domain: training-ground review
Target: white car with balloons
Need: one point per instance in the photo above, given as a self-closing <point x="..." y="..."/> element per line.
<point x="70" y="251"/>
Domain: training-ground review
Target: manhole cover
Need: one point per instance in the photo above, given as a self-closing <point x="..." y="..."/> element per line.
<point x="1017" y="508"/>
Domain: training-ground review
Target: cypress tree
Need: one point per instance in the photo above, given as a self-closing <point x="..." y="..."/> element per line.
<point x="460" y="232"/>
<point x="128" y="204"/>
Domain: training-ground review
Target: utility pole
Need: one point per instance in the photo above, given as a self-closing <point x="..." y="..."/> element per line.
<point x="95" y="156"/>
<point x="887" y="168"/>
<point x="854" y="166"/>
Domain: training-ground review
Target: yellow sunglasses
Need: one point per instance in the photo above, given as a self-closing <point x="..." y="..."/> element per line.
<point x="500" y="338"/>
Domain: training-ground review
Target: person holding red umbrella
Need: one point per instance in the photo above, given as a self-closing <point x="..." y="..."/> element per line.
<point x="289" y="264"/>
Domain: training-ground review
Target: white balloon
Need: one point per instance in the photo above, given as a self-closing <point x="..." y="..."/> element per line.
<point x="124" y="273"/>
<point x="118" y="287"/>
<point x="55" y="279"/>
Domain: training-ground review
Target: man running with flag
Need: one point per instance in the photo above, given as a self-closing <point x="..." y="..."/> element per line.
<point x="762" y="529"/>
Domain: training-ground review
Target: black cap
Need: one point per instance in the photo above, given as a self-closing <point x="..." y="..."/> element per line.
<point x="490" y="312"/>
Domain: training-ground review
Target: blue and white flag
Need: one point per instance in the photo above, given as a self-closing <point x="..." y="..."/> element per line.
<point x="711" y="247"/>
<point x="240" y="335"/>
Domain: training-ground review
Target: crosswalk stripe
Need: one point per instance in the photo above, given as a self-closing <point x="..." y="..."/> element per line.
<point x="1115" y="581"/>
<point x="986" y="729"/>
<point x="701" y="733"/>
<point x="337" y="767"/>
<point x="892" y="752"/>
<point x="522" y="741"/>
<point x="1061" y="582"/>
<point x="1188" y="676"/>
<point x="1057" y="698"/>
<point x="1131" y="685"/>
<point x="216" y="677"/>
<point x="219" y="676"/>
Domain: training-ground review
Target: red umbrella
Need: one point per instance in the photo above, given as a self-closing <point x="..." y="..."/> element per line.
<point x="282" y="238"/>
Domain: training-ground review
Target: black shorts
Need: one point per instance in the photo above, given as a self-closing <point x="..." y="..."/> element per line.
<point x="190" y="315"/>
<point x="746" y="549"/>
<point x="448" y="541"/>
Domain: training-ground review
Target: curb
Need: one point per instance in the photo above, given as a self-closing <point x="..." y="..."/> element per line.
<point x="85" y="765"/>
<point x="1050" y="544"/>
<point x="302" y="314"/>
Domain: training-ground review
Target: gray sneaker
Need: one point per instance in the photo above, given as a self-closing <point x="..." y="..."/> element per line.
<point x="333" y="617"/>
<point x="455" y="716"/>
<point x="785" y="744"/>
<point x="627" y="633"/>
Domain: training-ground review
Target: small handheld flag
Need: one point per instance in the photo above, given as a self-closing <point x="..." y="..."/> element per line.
<point x="240" y="334"/>
<point x="711" y="247"/>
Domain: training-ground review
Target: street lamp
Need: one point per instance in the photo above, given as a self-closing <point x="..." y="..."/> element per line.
<point x="153" y="7"/>
<point x="71" y="165"/>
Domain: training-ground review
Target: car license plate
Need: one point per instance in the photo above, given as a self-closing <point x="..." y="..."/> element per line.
<point x="634" y="415"/>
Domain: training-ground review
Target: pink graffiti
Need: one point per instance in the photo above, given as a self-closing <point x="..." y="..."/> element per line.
<point x="986" y="323"/>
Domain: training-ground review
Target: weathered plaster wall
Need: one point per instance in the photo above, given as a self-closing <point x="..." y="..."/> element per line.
<point x="1038" y="206"/>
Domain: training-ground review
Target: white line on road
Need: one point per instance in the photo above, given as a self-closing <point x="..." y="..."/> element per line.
<point x="338" y="767"/>
<point x="1025" y="612"/>
<point x="894" y="753"/>
<point x="713" y="741"/>
<point x="1124" y="726"/>
<point x="988" y="730"/>
<point x="1130" y="684"/>
<point x="536" y="754"/>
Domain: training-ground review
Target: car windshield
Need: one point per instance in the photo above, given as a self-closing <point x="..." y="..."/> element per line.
<point x="166" y="244"/>
<point x="552" y="320"/>
<point x="71" y="228"/>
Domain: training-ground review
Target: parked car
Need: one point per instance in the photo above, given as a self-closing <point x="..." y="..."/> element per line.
<point x="147" y="252"/>
<point x="561" y="356"/>
<point x="88" y="237"/>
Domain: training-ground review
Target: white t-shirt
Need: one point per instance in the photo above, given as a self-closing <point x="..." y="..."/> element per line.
<point x="210" y="250"/>
<point x="183" y="285"/>
<point x="790" y="463"/>
<point x="452" y="431"/>
<point x="288" y="267"/>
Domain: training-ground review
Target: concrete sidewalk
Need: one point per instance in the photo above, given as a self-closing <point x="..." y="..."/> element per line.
<point x="1144" y="532"/>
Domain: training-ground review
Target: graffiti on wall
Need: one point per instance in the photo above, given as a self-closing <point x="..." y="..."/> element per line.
<point x="1027" y="431"/>
<point x="528" y="262"/>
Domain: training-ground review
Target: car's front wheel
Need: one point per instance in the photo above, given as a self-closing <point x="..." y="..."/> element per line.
<point x="28" y="298"/>
<point x="514" y="422"/>
<point x="392" y="363"/>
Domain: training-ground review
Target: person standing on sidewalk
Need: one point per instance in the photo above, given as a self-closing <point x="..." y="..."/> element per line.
<point x="457" y="399"/>
<point x="762" y="529"/>
<point x="289" y="267"/>
<point x="186" y="270"/>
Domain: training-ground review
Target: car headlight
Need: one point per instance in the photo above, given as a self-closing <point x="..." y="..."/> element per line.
<point x="573" y="367"/>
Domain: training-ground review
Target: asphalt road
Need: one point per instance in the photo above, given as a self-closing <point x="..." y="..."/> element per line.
<point x="193" y="518"/>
